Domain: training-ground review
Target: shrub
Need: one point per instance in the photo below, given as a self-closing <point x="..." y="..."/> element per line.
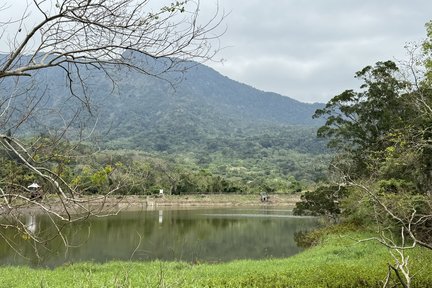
<point x="323" y="201"/>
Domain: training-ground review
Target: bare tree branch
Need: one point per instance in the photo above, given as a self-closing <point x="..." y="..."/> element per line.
<point x="78" y="37"/>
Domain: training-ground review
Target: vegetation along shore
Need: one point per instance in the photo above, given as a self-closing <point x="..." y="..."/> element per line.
<point x="337" y="260"/>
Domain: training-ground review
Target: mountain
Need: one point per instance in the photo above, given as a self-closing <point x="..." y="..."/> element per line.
<point x="144" y="112"/>
<point x="216" y="96"/>
<point x="196" y="114"/>
<point x="203" y="102"/>
<point x="201" y="94"/>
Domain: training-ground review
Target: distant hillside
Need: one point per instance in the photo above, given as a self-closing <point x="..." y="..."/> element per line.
<point x="203" y="109"/>
<point x="206" y="116"/>
<point x="240" y="101"/>
<point x="203" y="102"/>
<point x="202" y="94"/>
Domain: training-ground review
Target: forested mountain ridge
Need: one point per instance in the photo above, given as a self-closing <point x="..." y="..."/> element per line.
<point x="195" y="115"/>
<point x="129" y="106"/>
<point x="204" y="104"/>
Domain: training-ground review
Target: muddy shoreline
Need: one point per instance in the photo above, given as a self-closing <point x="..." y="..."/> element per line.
<point x="217" y="200"/>
<point x="113" y="204"/>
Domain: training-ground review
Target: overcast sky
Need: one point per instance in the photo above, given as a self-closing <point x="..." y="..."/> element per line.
<point x="309" y="50"/>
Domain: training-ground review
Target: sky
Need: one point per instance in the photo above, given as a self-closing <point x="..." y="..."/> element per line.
<point x="309" y="50"/>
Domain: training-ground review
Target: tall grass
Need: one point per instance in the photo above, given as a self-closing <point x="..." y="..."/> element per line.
<point x="338" y="261"/>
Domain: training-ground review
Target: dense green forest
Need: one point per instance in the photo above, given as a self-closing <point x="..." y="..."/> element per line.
<point x="195" y="131"/>
<point x="273" y="162"/>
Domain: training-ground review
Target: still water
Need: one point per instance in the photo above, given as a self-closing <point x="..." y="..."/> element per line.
<point x="204" y="235"/>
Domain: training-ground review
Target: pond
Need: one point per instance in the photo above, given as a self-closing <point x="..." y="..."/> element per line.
<point x="197" y="235"/>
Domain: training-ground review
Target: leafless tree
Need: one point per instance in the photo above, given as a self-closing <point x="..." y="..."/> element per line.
<point x="78" y="36"/>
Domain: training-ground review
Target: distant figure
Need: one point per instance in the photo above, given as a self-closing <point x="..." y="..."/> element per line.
<point x="264" y="197"/>
<point x="35" y="193"/>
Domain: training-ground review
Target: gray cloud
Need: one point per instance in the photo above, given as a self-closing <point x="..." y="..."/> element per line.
<point x="305" y="49"/>
<point x="309" y="50"/>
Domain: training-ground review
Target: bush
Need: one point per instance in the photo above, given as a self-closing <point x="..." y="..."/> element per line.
<point x="323" y="201"/>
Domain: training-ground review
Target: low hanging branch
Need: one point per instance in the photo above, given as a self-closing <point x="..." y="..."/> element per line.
<point x="100" y="32"/>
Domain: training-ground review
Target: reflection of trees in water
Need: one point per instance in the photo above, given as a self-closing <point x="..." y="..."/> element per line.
<point x="182" y="235"/>
<point x="254" y="238"/>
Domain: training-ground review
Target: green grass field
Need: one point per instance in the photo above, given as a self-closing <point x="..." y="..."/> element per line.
<point x="338" y="261"/>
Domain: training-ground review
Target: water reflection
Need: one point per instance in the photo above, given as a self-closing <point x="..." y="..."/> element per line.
<point x="31" y="223"/>
<point x="212" y="235"/>
<point x="160" y="216"/>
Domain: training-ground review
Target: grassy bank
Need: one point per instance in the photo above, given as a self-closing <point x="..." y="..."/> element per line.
<point x="339" y="261"/>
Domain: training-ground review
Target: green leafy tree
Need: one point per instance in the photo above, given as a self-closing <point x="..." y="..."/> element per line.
<point x="383" y="137"/>
<point x="358" y="122"/>
<point x="324" y="201"/>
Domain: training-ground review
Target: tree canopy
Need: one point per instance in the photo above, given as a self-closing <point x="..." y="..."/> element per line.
<point x="382" y="134"/>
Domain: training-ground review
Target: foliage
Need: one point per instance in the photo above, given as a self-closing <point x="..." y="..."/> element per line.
<point x="144" y="173"/>
<point x="128" y="172"/>
<point x="382" y="134"/>
<point x="322" y="201"/>
<point x="427" y="51"/>
<point x="307" y="239"/>
<point x="358" y="122"/>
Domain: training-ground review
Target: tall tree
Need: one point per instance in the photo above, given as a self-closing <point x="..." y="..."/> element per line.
<point x="358" y="123"/>
<point x="383" y="133"/>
